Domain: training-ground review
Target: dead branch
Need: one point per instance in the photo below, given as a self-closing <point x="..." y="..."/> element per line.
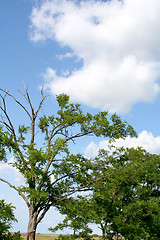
<point x="7" y="93"/>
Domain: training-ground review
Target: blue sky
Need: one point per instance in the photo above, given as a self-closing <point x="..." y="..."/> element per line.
<point x="105" y="55"/>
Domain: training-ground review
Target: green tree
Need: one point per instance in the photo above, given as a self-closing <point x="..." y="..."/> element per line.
<point x="140" y="215"/>
<point x="127" y="203"/>
<point x="76" y="212"/>
<point x="98" y="205"/>
<point x="6" y="219"/>
<point x="41" y="150"/>
<point x="6" y="216"/>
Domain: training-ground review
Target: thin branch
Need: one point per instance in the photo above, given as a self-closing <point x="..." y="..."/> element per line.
<point x="20" y="193"/>
<point x="40" y="105"/>
<point x="7" y="117"/>
<point x="27" y="98"/>
<point x="92" y="181"/>
<point x="43" y="213"/>
<point x="7" y="126"/>
<point x="81" y="134"/>
<point x="64" y="176"/>
<point x="16" y="101"/>
<point x="32" y="117"/>
<point x="74" y="191"/>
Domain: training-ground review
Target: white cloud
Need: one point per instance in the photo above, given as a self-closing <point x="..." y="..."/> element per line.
<point x="118" y="42"/>
<point x="66" y="55"/>
<point x="8" y="172"/>
<point x="145" y="140"/>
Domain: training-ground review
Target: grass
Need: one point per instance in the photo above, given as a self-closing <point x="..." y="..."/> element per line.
<point x="42" y="236"/>
<point x="53" y="237"/>
<point x="48" y="237"/>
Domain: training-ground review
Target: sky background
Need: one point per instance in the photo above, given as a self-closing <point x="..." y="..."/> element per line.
<point x="104" y="54"/>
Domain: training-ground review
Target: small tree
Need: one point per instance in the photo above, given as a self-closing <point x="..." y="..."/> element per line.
<point x="41" y="151"/>
<point x="76" y="217"/>
<point x="6" y="219"/>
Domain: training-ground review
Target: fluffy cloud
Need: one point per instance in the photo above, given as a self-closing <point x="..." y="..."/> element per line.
<point x="145" y="140"/>
<point x="6" y="169"/>
<point x="118" y="42"/>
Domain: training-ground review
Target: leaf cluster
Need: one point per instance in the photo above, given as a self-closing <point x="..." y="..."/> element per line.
<point x="6" y="219"/>
<point x="125" y="203"/>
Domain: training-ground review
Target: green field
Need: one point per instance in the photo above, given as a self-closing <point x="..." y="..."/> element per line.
<point x="49" y="237"/>
<point x="42" y="236"/>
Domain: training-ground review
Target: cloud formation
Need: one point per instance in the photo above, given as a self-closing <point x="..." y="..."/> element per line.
<point x="146" y="140"/>
<point x="6" y="169"/>
<point x="118" y="42"/>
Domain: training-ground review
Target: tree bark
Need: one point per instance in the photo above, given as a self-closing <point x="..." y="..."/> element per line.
<point x="32" y="224"/>
<point x="103" y="232"/>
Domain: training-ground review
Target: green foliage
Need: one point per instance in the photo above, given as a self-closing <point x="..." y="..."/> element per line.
<point x="68" y="124"/>
<point x="6" y="219"/>
<point x="6" y="216"/>
<point x="2" y="145"/>
<point x="128" y="202"/>
<point x="64" y="237"/>
<point x="125" y="203"/>
<point x="140" y="220"/>
<point x="11" y="236"/>
<point x="77" y="218"/>
<point x="42" y="151"/>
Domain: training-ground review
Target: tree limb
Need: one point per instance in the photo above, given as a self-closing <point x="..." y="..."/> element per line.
<point x="92" y="181"/>
<point x="20" y="193"/>
<point x="43" y="213"/>
<point x="81" y="134"/>
<point x="64" y="176"/>
<point x="16" y="101"/>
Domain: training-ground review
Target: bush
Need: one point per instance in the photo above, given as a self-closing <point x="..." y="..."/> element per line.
<point x="6" y="219"/>
<point x="10" y="236"/>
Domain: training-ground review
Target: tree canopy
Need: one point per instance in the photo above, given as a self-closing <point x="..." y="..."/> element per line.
<point x="41" y="150"/>
<point x="123" y="204"/>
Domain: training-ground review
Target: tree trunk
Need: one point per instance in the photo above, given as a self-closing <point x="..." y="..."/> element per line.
<point x="103" y="233"/>
<point x="32" y="224"/>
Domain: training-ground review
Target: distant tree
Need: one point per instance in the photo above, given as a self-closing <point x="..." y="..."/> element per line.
<point x="41" y="151"/>
<point x="123" y="204"/>
<point x="6" y="219"/>
<point x="140" y="213"/>
<point x="77" y="218"/>
<point x="127" y="203"/>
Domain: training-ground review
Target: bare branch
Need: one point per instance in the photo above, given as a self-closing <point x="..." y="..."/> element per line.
<point x="7" y="126"/>
<point x="20" y="193"/>
<point x="40" y="105"/>
<point x="32" y="116"/>
<point x="26" y="96"/>
<point x="7" y="93"/>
